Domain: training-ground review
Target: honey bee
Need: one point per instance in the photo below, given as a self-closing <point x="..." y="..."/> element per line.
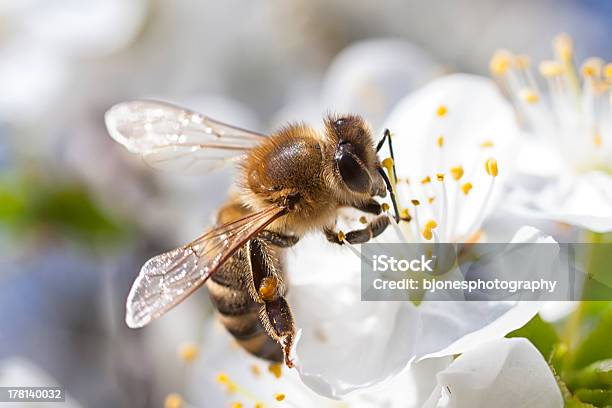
<point x="289" y="183"/>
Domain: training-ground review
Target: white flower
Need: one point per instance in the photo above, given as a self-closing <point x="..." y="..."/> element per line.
<point x="347" y="344"/>
<point x="501" y="373"/>
<point x="568" y="135"/>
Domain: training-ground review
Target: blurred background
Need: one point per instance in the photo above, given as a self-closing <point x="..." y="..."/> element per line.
<point x="79" y="215"/>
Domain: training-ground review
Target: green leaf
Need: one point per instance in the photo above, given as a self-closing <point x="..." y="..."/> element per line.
<point x="596" y="375"/>
<point x="596" y="344"/>
<point x="599" y="398"/>
<point x="542" y="334"/>
<point x="574" y="402"/>
<point x="34" y="205"/>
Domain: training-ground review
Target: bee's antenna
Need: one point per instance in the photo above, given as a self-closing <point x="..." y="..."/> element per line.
<point x="391" y="192"/>
<point x="387" y="137"/>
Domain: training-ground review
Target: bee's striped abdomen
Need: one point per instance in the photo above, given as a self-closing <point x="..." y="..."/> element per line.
<point x="238" y="312"/>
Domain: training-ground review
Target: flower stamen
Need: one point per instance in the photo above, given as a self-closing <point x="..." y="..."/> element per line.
<point x="441" y="111"/>
<point x="428" y="229"/>
<point x="456" y="172"/>
<point x="492" y="170"/>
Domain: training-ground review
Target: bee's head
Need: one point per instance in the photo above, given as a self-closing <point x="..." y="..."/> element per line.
<point x="355" y="160"/>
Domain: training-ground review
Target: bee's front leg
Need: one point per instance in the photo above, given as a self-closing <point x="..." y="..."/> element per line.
<point x="370" y="207"/>
<point x="373" y="229"/>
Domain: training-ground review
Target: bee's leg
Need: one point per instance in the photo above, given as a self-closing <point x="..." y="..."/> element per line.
<point x="278" y="239"/>
<point x="372" y="230"/>
<point x="278" y="320"/>
<point x="371" y="207"/>
<point x="269" y="290"/>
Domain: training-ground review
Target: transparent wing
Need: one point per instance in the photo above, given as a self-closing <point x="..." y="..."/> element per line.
<point x="167" y="279"/>
<point x="172" y="138"/>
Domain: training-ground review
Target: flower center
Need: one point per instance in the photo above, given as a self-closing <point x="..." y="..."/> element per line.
<point x="578" y="109"/>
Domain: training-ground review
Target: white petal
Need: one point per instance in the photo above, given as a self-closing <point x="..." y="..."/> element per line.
<point x="483" y="321"/>
<point x="555" y="311"/>
<point x="584" y="200"/>
<point x="219" y="354"/>
<point x="347" y="344"/>
<point x="502" y="373"/>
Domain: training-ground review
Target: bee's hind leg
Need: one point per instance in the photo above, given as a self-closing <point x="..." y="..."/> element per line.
<point x="278" y="321"/>
<point x="372" y="230"/>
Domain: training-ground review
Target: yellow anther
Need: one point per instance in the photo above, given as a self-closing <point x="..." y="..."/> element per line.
<point x="222" y="378"/>
<point x="255" y="370"/>
<point x="279" y="396"/>
<point x="188" y="352"/>
<point x="388" y="163"/>
<point x="589" y="71"/>
<point x="405" y="214"/>
<point x="430" y="200"/>
<point x="440" y="177"/>
<point x="522" y="62"/>
<point x="441" y="111"/>
<point x="267" y="288"/>
<point x="491" y="167"/>
<point x="487" y="144"/>
<point x="341" y="236"/>
<point x="608" y="71"/>
<point x="440" y="141"/>
<point x="592" y="68"/>
<point x="259" y="405"/>
<point x="426" y="180"/>
<point x="500" y="62"/>
<point x="427" y="230"/>
<point x="550" y="68"/>
<point x="385" y="207"/>
<point x="597" y="138"/>
<point x="415" y="202"/>
<point x="431" y="224"/>
<point x="466" y="188"/>
<point x="456" y="172"/>
<point x="363" y="220"/>
<point x="529" y="95"/>
<point x="564" y="47"/>
<point x="173" y="401"/>
<point x="276" y="369"/>
<point x="236" y="405"/>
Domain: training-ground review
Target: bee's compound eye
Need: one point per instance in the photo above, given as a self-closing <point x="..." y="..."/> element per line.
<point x="352" y="170"/>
